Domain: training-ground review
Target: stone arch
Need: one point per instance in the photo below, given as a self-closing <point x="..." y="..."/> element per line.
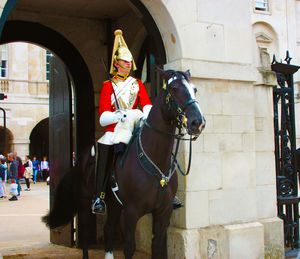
<point x="41" y="35"/>
<point x="160" y="16"/>
<point x="39" y="139"/>
<point x="7" y="146"/>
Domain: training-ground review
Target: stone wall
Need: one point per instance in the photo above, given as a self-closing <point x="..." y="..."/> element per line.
<point x="27" y="92"/>
<point x="230" y="194"/>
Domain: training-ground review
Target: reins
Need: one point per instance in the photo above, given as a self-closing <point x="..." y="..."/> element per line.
<point x="179" y="138"/>
<point x="143" y="157"/>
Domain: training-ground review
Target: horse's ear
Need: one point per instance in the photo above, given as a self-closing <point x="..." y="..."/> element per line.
<point x="161" y="71"/>
<point x="188" y="73"/>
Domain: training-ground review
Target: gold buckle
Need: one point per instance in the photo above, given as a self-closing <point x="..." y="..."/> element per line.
<point x="141" y="154"/>
<point x="164" y="85"/>
<point x="102" y="195"/>
<point x="168" y="98"/>
<point x="184" y="121"/>
<point x="162" y="182"/>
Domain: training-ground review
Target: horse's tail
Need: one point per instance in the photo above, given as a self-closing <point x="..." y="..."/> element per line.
<point x="65" y="204"/>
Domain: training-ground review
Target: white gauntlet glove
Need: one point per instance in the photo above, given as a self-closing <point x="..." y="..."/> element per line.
<point x="108" y="118"/>
<point x="146" y="111"/>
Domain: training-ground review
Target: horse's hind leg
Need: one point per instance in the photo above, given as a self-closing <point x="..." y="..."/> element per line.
<point x="114" y="212"/>
<point x="86" y="224"/>
<point x="130" y="220"/>
<point x="159" y="230"/>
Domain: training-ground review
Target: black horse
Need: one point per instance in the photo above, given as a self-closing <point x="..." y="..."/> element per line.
<point x="146" y="177"/>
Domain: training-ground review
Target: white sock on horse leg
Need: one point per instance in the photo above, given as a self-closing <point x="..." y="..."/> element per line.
<point x="109" y="255"/>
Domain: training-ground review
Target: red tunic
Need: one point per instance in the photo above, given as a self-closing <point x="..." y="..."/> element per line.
<point x="106" y="105"/>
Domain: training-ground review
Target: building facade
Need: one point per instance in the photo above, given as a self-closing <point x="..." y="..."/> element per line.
<point x="23" y="80"/>
<point x="230" y="195"/>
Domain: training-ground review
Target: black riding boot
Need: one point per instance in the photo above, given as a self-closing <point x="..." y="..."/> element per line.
<point x="104" y="156"/>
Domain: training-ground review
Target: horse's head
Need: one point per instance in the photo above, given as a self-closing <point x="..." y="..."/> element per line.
<point x="181" y="101"/>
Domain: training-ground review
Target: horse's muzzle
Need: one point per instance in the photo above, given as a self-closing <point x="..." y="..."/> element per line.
<point x="196" y="126"/>
<point x="202" y="126"/>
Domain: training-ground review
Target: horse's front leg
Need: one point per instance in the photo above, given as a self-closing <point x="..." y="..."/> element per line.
<point x="160" y="225"/>
<point x="130" y="220"/>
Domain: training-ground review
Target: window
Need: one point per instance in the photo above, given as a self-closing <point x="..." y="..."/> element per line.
<point x="4" y="62"/>
<point x="261" y="5"/>
<point x="48" y="56"/>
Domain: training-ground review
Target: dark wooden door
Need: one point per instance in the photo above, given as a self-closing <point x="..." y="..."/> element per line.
<point x="60" y="139"/>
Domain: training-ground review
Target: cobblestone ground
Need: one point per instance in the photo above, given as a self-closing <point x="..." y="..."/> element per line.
<point x="23" y="235"/>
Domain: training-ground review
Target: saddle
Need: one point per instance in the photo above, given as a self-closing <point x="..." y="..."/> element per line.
<point x="132" y="139"/>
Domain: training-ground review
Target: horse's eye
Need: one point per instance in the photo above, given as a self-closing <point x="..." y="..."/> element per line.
<point x="173" y="87"/>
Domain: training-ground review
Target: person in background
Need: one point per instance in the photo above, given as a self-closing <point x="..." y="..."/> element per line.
<point x="2" y="177"/>
<point x="28" y="171"/>
<point x="21" y="171"/>
<point x="4" y="164"/>
<point x="35" y="168"/>
<point x="13" y="189"/>
<point x="44" y="168"/>
<point x="13" y="169"/>
<point x="7" y="163"/>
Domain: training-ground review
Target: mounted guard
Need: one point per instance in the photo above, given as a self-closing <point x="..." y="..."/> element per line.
<point x="147" y="177"/>
<point x="119" y="95"/>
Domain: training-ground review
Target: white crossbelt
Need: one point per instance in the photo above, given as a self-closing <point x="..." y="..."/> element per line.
<point x="121" y="88"/>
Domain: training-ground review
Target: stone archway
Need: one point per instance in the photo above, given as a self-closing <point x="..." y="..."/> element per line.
<point x="7" y="146"/>
<point x="76" y="69"/>
<point x="41" y="35"/>
<point x="39" y="140"/>
<point x="48" y="33"/>
<point x="158" y="17"/>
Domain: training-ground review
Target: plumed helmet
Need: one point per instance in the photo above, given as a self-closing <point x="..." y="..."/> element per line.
<point x="123" y="53"/>
<point x="120" y="51"/>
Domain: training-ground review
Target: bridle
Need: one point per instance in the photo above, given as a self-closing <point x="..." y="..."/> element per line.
<point x="177" y="110"/>
<point x="180" y="123"/>
<point x="173" y="106"/>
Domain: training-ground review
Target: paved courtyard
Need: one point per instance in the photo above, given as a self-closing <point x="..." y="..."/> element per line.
<point x="23" y="235"/>
<point x="21" y="220"/>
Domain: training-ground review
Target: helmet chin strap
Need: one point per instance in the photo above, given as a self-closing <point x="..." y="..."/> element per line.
<point x="126" y="68"/>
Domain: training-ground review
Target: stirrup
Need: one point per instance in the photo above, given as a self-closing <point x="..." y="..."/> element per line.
<point x="99" y="206"/>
